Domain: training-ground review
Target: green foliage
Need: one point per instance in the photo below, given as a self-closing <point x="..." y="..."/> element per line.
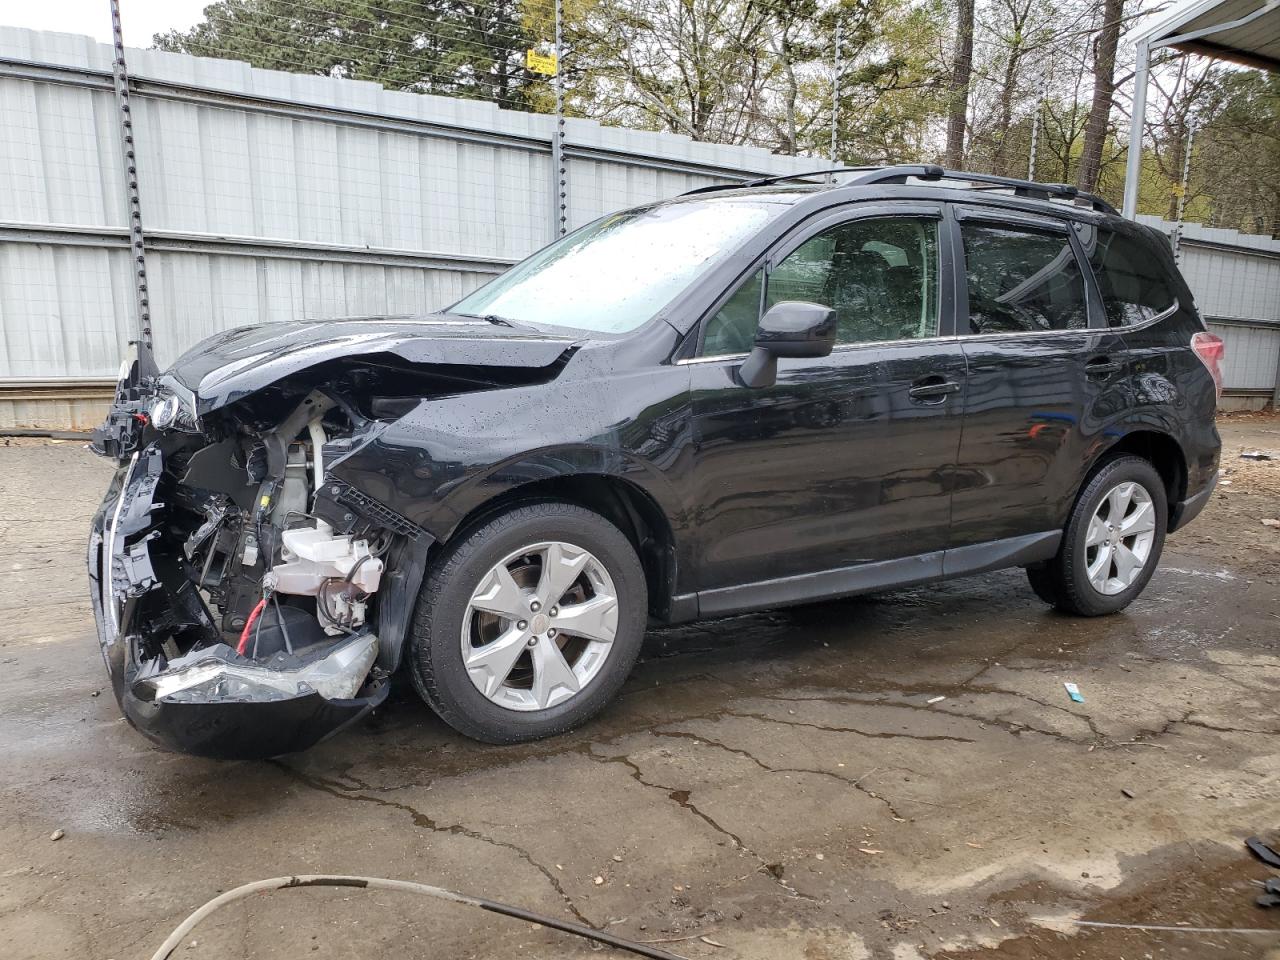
<point x="1236" y="160"/>
<point x="763" y="72"/>
<point x="431" y="46"/>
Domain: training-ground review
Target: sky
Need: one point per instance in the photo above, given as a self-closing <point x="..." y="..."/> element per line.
<point x="140" y="19"/>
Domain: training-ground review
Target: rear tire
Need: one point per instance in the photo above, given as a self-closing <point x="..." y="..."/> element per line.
<point x="504" y="648"/>
<point x="1043" y="580"/>
<point x="1111" y="544"/>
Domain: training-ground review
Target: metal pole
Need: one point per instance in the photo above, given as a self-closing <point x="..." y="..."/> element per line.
<point x="1138" y="120"/>
<point x="1035" y="122"/>
<point x="835" y="88"/>
<point x="1182" y="195"/>
<point x="120" y="81"/>
<point x="560" y="180"/>
<point x="1275" y="396"/>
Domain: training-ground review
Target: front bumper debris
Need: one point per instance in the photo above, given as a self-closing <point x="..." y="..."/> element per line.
<point x="210" y="701"/>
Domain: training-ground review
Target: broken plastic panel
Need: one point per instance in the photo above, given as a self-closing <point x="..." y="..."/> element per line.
<point x="211" y="676"/>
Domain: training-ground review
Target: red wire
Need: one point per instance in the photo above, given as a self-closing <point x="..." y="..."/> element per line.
<point x="248" y="625"/>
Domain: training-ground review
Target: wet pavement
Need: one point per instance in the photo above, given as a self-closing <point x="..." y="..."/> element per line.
<point x="777" y="785"/>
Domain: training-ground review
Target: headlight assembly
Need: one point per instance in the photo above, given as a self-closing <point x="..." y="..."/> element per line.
<point x="164" y="412"/>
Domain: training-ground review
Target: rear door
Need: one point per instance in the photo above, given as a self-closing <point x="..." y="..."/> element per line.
<point x="846" y="460"/>
<point x="1045" y="375"/>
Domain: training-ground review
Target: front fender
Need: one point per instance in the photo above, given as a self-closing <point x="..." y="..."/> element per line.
<point x="450" y="455"/>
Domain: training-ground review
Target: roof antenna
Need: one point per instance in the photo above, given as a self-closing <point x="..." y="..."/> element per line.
<point x="144" y="363"/>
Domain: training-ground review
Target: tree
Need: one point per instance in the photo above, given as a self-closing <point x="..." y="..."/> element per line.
<point x="961" y="74"/>
<point x="451" y="47"/>
<point x="1237" y="163"/>
<point x="1104" y="67"/>
<point x="1183" y="91"/>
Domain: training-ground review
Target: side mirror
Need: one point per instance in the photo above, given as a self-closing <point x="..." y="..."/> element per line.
<point x="792" y="328"/>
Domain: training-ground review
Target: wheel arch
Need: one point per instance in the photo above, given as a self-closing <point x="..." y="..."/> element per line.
<point x="1158" y="448"/>
<point x="624" y="503"/>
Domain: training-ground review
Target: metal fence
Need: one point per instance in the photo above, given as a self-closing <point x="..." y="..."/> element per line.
<point x="1236" y="281"/>
<point x="273" y="196"/>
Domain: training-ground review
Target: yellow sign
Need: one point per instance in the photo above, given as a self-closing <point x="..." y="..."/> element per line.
<point x="544" y="63"/>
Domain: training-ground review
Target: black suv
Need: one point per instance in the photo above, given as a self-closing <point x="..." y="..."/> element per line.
<point x="738" y="399"/>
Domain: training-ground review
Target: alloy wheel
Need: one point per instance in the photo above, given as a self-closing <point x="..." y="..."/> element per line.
<point x="1120" y="537"/>
<point x="539" y="626"/>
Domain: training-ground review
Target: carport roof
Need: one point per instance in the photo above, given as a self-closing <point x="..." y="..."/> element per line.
<point x="1244" y="31"/>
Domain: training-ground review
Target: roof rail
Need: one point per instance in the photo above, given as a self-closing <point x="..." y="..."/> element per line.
<point x="781" y="178"/>
<point x="900" y="173"/>
<point x="1021" y="188"/>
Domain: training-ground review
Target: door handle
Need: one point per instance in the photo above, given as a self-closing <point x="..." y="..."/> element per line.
<point x="933" y="389"/>
<point x="1101" y="367"/>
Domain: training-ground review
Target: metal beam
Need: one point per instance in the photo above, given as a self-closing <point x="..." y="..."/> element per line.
<point x="1171" y="41"/>
<point x="1137" y="124"/>
<point x="175" y="241"/>
<point x="1220" y="51"/>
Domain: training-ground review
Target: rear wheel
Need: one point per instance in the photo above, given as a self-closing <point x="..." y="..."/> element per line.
<point x="529" y="624"/>
<point x="1111" y="544"/>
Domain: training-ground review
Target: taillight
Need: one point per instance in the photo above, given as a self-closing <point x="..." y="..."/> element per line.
<point x="1212" y="351"/>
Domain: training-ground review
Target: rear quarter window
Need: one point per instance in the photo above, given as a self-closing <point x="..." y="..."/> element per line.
<point x="1131" y="277"/>
<point x="1022" y="280"/>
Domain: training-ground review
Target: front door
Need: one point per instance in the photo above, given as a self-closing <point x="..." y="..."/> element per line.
<point x="845" y="462"/>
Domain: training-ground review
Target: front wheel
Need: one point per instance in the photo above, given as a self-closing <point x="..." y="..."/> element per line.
<point x="529" y="624"/>
<point x="1111" y="544"/>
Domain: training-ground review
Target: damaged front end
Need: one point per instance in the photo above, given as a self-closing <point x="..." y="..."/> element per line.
<point x="251" y="599"/>
<point x="234" y="589"/>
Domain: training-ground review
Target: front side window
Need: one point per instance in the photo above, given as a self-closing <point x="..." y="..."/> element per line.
<point x="880" y="275"/>
<point x="615" y="274"/>
<point x="1022" y="281"/>
<point x="1133" y="286"/>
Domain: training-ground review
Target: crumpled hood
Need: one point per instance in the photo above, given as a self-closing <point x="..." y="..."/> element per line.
<point x="230" y="365"/>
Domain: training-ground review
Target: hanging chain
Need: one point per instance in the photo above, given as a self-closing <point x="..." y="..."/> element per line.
<point x="1185" y="186"/>
<point x="835" y="87"/>
<point x="1041" y="95"/>
<point x="561" y="192"/>
<point x="120" y="80"/>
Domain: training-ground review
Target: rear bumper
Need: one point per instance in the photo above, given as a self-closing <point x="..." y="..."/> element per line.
<point x="1182" y="513"/>
<point x="120" y="573"/>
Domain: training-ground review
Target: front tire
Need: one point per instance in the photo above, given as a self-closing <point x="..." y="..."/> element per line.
<point x="1111" y="544"/>
<point x="529" y="623"/>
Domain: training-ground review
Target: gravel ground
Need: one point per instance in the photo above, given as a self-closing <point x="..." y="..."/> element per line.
<point x="780" y="785"/>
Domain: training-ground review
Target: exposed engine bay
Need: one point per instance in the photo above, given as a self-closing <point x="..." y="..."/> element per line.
<point x="251" y="602"/>
<point x="240" y="572"/>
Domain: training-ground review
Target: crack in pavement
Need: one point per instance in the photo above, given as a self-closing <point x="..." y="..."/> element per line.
<point x="855" y="783"/>
<point x="1208" y="726"/>
<point x="1013" y="727"/>
<point x="682" y="799"/>
<point x="420" y="819"/>
<point x="765" y="718"/>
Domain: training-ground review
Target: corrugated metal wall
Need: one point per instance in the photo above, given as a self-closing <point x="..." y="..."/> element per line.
<point x="270" y="196"/>
<point x="1236" y="281"/>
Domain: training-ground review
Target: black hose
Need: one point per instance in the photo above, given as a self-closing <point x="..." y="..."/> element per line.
<point x="358" y="564"/>
<point x="284" y="630"/>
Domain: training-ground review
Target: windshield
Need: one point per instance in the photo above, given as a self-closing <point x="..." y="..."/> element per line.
<point x="613" y="275"/>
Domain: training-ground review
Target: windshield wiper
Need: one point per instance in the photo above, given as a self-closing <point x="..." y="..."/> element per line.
<point x="495" y="319"/>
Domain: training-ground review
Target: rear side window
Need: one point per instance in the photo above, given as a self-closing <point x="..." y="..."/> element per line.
<point x="1134" y="287"/>
<point x="1022" y="280"/>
